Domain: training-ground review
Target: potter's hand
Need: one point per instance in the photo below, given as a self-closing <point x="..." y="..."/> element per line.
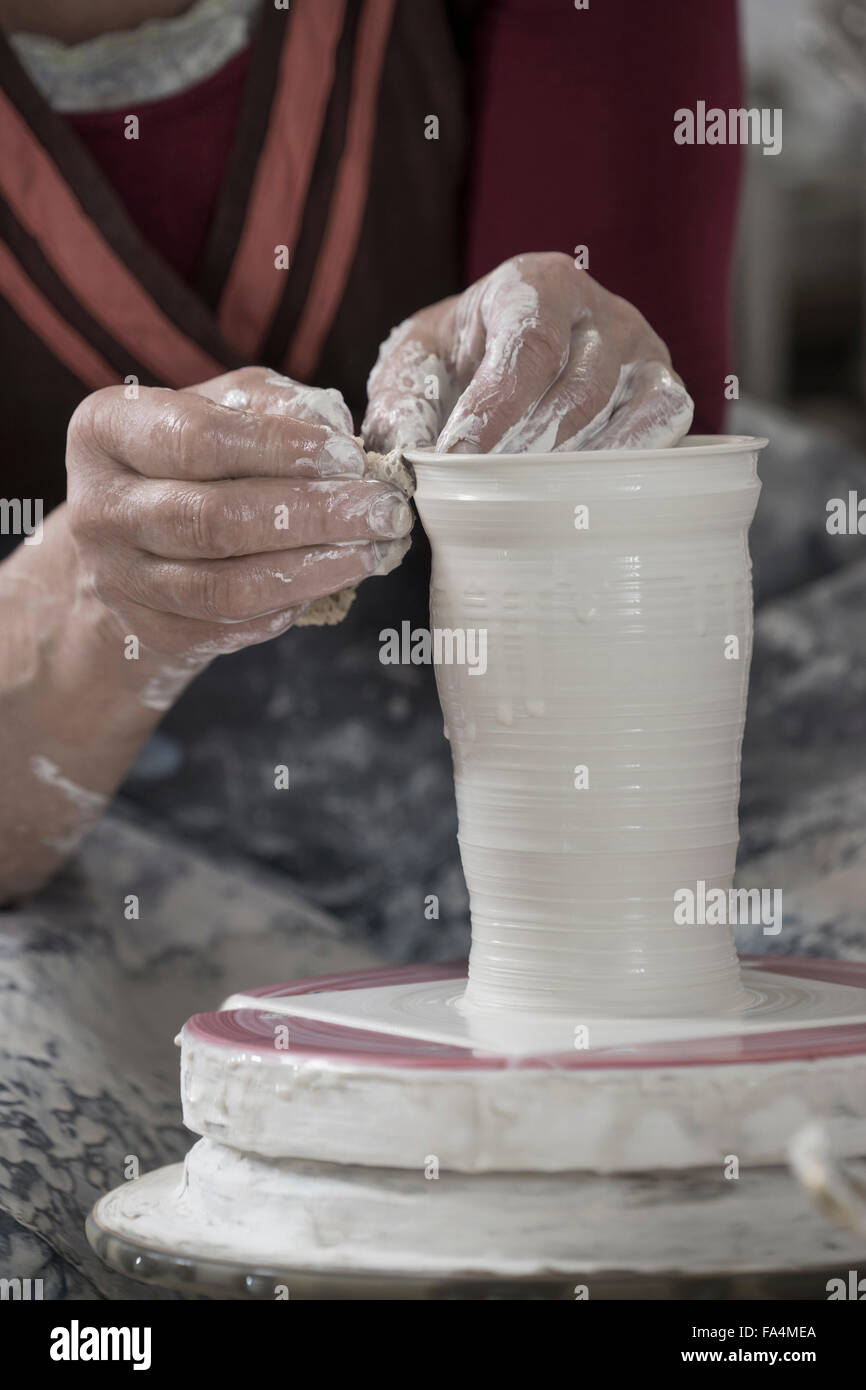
<point x="206" y="519"/>
<point x="535" y="356"/>
<point x="198" y="522"/>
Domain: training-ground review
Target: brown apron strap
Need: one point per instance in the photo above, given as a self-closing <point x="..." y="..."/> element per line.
<point x="48" y="210"/>
<point x="348" y="201"/>
<point x="257" y="279"/>
<point x="32" y="307"/>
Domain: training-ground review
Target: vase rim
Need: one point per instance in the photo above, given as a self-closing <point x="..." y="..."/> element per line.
<point x="691" y="446"/>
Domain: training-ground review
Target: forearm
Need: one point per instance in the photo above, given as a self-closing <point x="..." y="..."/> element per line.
<point x="75" y="708"/>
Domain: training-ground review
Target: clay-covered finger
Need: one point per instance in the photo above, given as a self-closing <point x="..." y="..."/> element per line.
<point x="410" y="388"/>
<point x="184" y="435"/>
<point x="577" y="402"/>
<point x="527" y="341"/>
<point x="651" y="409"/>
<point x="240" y="588"/>
<point x="252" y="516"/>
<point x="267" y="392"/>
<point x="188" y="644"/>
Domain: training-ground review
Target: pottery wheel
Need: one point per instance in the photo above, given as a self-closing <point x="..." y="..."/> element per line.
<point x="364" y="1153"/>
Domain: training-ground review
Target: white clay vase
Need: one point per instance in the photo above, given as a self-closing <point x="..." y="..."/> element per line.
<point x="597" y="757"/>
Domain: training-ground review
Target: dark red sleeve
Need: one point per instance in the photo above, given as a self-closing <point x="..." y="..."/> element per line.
<point x="574" y="131"/>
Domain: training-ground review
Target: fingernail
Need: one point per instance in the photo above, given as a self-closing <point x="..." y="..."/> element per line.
<point x="461" y="433"/>
<point x="388" y="554"/>
<point x="390" y="515"/>
<point x="340" y="456"/>
<point x="451" y="442"/>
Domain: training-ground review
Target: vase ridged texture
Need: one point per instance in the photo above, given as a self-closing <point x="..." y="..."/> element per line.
<point x="606" y="648"/>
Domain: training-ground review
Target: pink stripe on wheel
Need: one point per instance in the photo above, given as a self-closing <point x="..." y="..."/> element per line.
<point x="252" y="1030"/>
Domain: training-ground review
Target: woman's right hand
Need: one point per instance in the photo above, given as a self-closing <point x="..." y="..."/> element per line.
<point x="206" y="519"/>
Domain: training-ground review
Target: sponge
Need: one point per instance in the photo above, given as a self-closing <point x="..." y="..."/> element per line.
<point x="332" y="608"/>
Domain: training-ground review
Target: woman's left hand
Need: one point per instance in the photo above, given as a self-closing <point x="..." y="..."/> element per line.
<point x="534" y="356"/>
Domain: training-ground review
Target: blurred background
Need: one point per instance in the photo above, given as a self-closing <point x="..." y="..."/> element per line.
<point x="800" y="289"/>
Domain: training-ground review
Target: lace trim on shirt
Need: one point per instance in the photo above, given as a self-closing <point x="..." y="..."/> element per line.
<point x="156" y="60"/>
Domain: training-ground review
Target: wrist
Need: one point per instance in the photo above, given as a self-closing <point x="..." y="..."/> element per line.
<point x="140" y="684"/>
<point x="81" y="656"/>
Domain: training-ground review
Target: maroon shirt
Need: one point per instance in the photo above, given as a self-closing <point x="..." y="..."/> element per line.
<point x="574" y="145"/>
<point x="169" y="183"/>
